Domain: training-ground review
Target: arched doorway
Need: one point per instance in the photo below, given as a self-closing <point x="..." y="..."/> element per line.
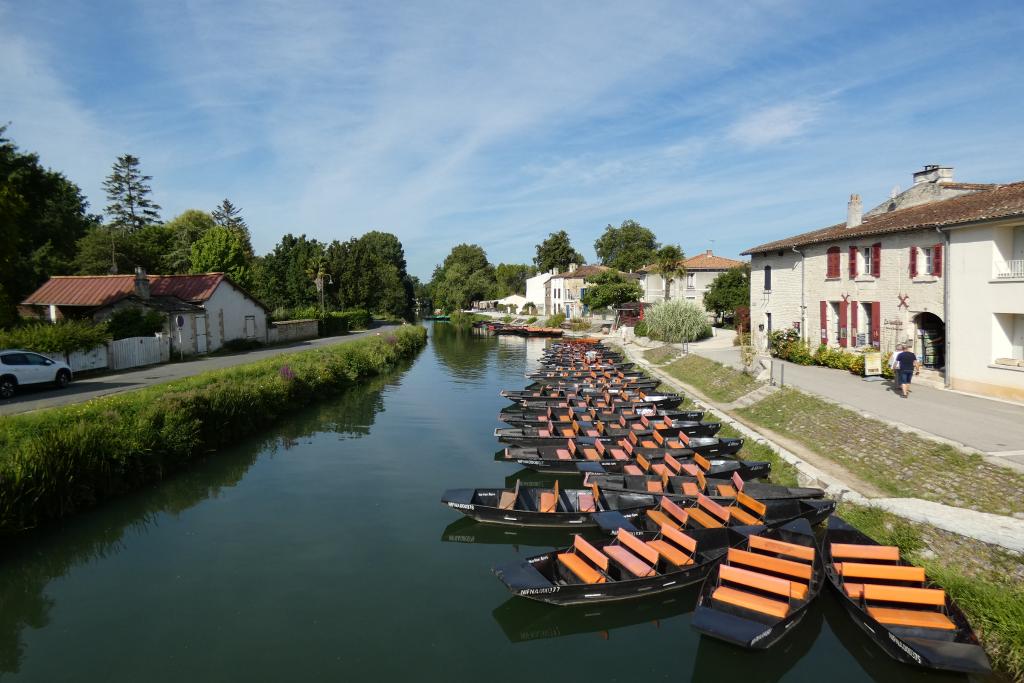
<point x="930" y="340"/>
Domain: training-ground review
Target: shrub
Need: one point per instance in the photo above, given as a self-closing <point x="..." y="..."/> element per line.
<point x="506" y="318"/>
<point x="531" y="320"/>
<point x="555" y="321"/>
<point x="57" y="461"/>
<point x="640" y="329"/>
<point x="579" y="324"/>
<point x="332" y="324"/>
<point x="241" y="344"/>
<point x="741" y="339"/>
<point x="62" y="337"/>
<point x="134" y="322"/>
<point x="463" y="319"/>
<point x="677" y="321"/>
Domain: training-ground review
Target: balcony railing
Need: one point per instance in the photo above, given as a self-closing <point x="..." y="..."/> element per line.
<point x="1010" y="270"/>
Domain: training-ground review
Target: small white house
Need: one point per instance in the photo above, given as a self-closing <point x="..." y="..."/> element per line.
<point x="201" y="312"/>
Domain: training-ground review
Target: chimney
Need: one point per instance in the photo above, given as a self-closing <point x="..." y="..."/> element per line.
<point x="573" y="267"/>
<point x="707" y="253"/>
<point x="933" y="173"/>
<point x="141" y="283"/>
<point x="854" y="211"/>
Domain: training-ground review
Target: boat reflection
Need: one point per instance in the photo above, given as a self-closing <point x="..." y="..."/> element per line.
<point x="523" y="620"/>
<point x="717" y="660"/>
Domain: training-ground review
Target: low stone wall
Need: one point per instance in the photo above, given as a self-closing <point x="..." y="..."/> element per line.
<point x="292" y="330"/>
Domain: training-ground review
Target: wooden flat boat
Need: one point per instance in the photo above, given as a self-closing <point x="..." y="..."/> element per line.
<point x="761" y="589"/>
<point x="621" y="568"/>
<point x="908" y="617"/>
<point x="693" y="482"/>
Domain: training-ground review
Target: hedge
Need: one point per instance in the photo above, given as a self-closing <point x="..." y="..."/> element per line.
<point x="65" y="336"/>
<point x="58" y="461"/>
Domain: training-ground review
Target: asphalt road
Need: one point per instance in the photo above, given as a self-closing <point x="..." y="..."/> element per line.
<point x="43" y="396"/>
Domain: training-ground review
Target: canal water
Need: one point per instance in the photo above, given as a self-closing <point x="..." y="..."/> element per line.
<point x="319" y="551"/>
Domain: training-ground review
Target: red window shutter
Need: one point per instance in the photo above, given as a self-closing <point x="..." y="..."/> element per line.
<point x="913" y="262"/>
<point x="824" y="322"/>
<point x="844" y="334"/>
<point x="876" y="324"/>
<point x="853" y="262"/>
<point x="937" y="260"/>
<point x="853" y="323"/>
<point x="832" y="261"/>
<point x="876" y="259"/>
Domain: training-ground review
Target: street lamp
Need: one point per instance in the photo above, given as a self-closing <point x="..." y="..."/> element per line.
<point x="319" y="280"/>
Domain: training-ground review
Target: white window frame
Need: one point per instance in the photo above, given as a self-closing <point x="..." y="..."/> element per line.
<point x="865" y="261"/>
<point x="926" y="261"/>
<point x="691" y="281"/>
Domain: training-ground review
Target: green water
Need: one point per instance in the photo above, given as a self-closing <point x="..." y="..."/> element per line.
<point x="319" y="551"/>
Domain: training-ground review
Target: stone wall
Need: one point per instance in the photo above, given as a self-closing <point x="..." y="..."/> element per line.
<point x="292" y="330"/>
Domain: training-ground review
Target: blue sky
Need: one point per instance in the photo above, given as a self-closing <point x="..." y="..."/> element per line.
<point x="717" y="125"/>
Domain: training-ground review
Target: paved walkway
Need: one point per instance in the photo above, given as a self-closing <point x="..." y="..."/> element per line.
<point x="992" y="427"/>
<point x="92" y="387"/>
<point x="1006" y="532"/>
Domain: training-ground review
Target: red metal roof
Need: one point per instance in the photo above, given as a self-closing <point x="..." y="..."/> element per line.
<point x="101" y="290"/>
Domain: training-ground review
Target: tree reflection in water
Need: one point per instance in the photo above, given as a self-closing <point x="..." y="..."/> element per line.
<point x="30" y="562"/>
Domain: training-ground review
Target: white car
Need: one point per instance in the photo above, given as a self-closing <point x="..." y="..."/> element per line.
<point x="18" y="368"/>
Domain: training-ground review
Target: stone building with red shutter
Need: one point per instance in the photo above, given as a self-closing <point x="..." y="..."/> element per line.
<point x="879" y="278"/>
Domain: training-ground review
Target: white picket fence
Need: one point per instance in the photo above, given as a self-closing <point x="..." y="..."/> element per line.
<point x="136" y="351"/>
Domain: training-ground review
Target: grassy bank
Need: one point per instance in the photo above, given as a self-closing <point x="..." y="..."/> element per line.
<point x="57" y="461"/>
<point x="987" y="582"/>
<point x="661" y="354"/>
<point x="714" y="380"/>
<point x="901" y="464"/>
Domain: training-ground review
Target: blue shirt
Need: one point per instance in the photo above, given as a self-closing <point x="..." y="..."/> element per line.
<point x="906" y="361"/>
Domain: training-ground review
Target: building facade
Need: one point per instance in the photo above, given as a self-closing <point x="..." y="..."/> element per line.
<point x="699" y="272"/>
<point x="939" y="266"/>
<point x="563" y="292"/>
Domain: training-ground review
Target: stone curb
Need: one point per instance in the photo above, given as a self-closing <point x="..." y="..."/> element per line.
<point x="999" y="530"/>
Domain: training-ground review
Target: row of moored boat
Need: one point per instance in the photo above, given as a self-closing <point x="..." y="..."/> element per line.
<point x="673" y="504"/>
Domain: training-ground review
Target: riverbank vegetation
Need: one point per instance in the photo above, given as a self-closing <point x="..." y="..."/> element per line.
<point x="58" y="461"/>
<point x="714" y="380"/>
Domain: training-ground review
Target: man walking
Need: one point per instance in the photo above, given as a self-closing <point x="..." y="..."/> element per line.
<point x="907" y="366"/>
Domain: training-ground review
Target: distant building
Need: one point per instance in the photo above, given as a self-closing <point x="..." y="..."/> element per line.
<point x="210" y="306"/>
<point x="700" y="271"/>
<point x="939" y="266"/>
<point x="563" y="291"/>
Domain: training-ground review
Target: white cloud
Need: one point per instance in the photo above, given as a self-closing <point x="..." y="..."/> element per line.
<point x="775" y="124"/>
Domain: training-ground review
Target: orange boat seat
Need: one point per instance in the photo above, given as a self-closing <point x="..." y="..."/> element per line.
<point x="797" y="570"/>
<point x="912" y="618"/>
<point x="762" y="582"/>
<point x="800" y="552"/>
<point x="630" y="562"/>
<point x="670" y="553"/>
<point x="583" y="571"/>
<point x="690" y="488"/>
<point x="586" y="503"/>
<point x="884" y="572"/>
<point x="661" y="519"/>
<point x="750" y="601"/>
<point x="849" y="551"/>
<point x="633" y="470"/>
<point x="563" y="454"/>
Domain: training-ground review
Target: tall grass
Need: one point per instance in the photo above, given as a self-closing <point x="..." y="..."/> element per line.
<point x="677" y="321"/>
<point x="57" y="461"/>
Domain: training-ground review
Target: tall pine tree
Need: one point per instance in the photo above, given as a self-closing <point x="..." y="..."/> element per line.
<point x="229" y="216"/>
<point x="129" y="207"/>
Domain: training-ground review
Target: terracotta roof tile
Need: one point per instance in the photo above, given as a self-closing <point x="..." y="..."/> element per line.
<point x="101" y="290"/>
<point x="999" y="201"/>
<point x="584" y="271"/>
<point x="708" y="261"/>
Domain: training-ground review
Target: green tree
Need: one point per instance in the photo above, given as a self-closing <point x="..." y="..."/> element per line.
<point x="628" y="247"/>
<point x="728" y="291"/>
<point x="229" y="216"/>
<point x="557" y="252"/>
<point x="611" y="289"/>
<point x="370" y="272"/>
<point x="186" y="229"/>
<point x="464" y="277"/>
<point x="668" y="263"/>
<point x="511" y="278"/>
<point x="42" y="217"/>
<point x="129" y="207"/>
<point x="222" y="250"/>
<point x="147" y="248"/>
<point x="280" y="278"/>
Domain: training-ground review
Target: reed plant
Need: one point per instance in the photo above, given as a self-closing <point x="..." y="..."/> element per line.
<point x="55" y="462"/>
<point x="677" y="321"/>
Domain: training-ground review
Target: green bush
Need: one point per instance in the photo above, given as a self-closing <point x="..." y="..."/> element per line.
<point x="463" y="319"/>
<point x="506" y="318"/>
<point x="54" y="462"/>
<point x="531" y="320"/>
<point x="640" y="329"/>
<point x="741" y="339"/>
<point x="134" y="322"/>
<point x="61" y="337"/>
<point x="677" y="321"/>
<point x="579" y="325"/>
<point x="555" y="321"/>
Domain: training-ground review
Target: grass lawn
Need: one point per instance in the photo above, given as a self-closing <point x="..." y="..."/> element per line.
<point x="662" y="354"/>
<point x="899" y="463"/>
<point x="987" y="582"/>
<point x="714" y="380"/>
